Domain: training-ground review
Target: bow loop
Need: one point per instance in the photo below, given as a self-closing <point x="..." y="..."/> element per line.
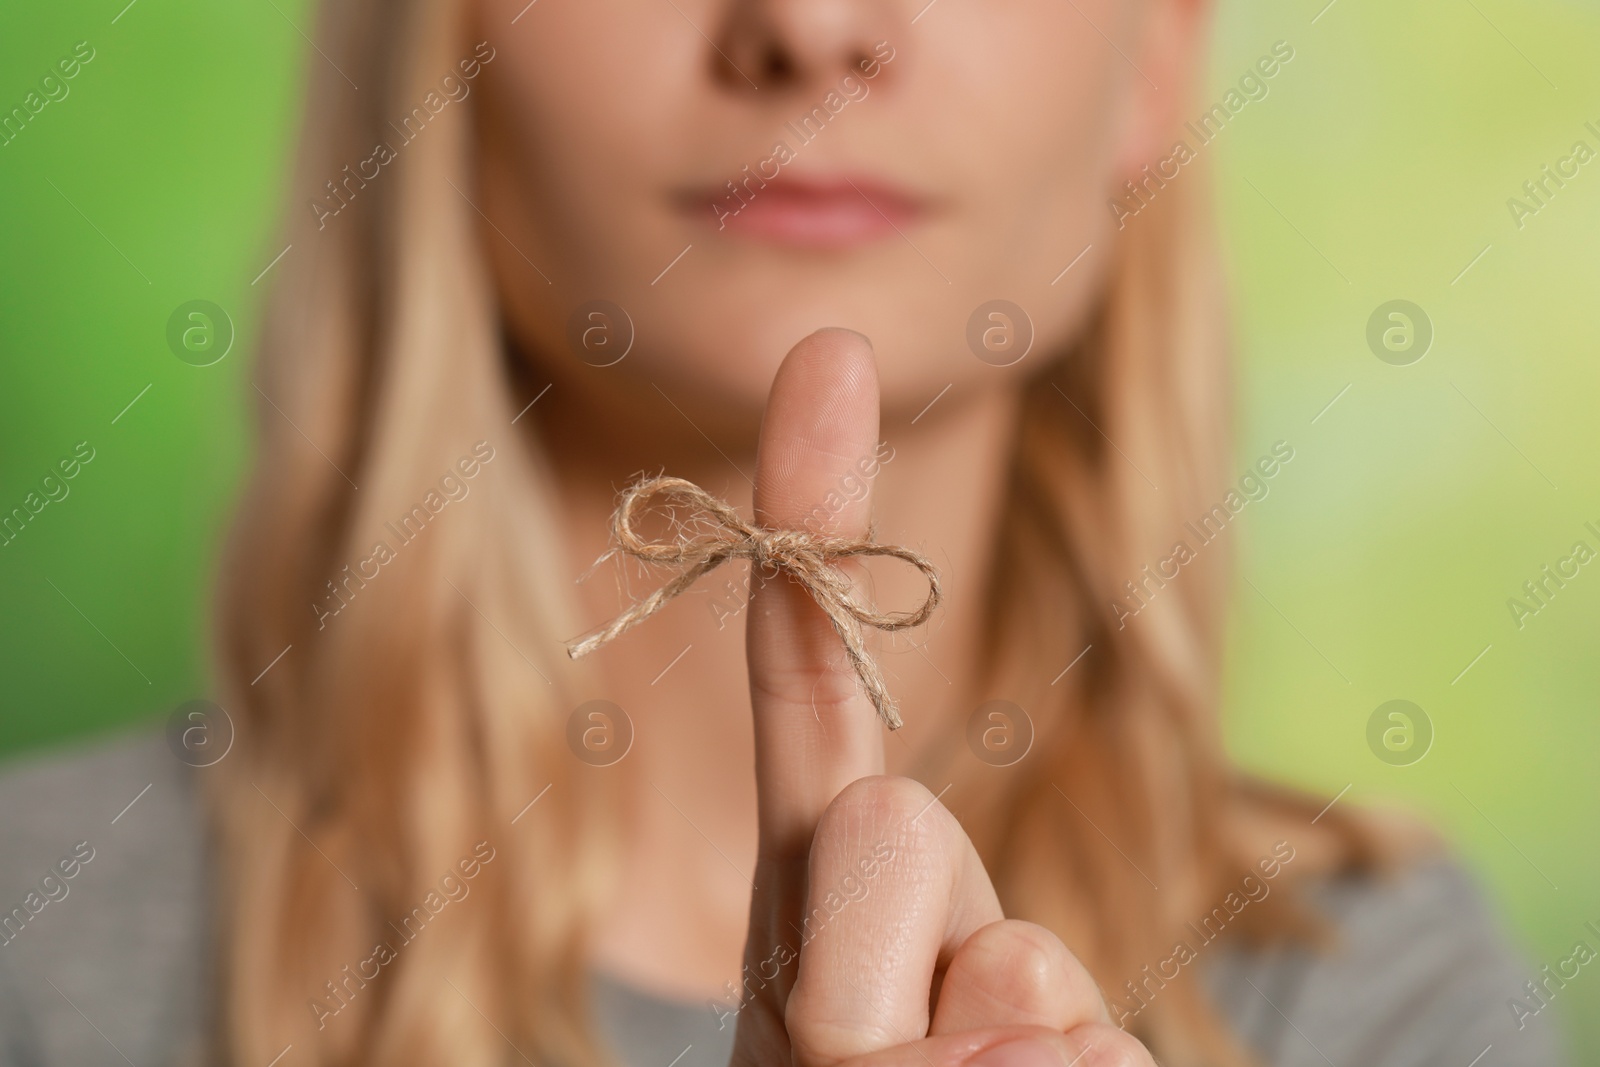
<point x="715" y="533"/>
<point x="675" y="493"/>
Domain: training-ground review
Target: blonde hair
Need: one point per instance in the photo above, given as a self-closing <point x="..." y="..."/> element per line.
<point x="384" y="744"/>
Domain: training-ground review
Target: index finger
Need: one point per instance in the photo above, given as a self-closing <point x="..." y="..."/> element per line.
<point x="815" y="729"/>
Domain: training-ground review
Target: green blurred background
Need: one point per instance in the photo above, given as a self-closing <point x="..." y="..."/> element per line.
<point x="1378" y="167"/>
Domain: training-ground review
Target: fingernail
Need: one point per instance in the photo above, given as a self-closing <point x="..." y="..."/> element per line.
<point x="1028" y="1052"/>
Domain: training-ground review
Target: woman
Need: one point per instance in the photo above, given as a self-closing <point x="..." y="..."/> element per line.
<point x="539" y="248"/>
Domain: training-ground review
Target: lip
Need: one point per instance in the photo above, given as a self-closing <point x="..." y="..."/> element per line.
<point x="823" y="212"/>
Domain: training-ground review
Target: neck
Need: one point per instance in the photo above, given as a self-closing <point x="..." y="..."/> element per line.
<point x="690" y="823"/>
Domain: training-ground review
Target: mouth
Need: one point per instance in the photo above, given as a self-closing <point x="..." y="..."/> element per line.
<point x="834" y="212"/>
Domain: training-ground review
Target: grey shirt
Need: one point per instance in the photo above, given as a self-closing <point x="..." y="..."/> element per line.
<point x="107" y="964"/>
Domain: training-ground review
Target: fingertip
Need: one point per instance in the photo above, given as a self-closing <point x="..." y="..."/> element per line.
<point x="820" y="424"/>
<point x="845" y="330"/>
<point x="833" y="359"/>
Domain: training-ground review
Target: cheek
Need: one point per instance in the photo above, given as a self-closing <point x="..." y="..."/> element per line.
<point x="1035" y="161"/>
<point x="1036" y="105"/>
<point x="596" y="112"/>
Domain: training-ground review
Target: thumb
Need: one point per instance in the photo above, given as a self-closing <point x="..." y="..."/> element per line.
<point x="816" y="731"/>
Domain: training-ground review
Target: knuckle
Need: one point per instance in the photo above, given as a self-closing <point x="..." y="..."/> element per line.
<point x="815" y="1038"/>
<point x="1024" y="970"/>
<point x="1028" y="964"/>
<point x="812" y="687"/>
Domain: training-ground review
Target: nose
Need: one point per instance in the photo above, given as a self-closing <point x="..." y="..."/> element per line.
<point x="797" y="44"/>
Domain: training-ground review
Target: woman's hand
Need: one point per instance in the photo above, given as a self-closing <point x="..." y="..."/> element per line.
<point x="875" y="939"/>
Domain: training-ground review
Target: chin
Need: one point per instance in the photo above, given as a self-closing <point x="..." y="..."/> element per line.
<point x="727" y="340"/>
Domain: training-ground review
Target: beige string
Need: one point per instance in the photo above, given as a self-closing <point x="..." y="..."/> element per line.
<point x="806" y="556"/>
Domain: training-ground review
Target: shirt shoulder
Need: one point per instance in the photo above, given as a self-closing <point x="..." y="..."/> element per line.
<point x="1420" y="975"/>
<point x="103" y="913"/>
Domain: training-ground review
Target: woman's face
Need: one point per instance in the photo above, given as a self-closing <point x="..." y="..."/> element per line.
<point x="894" y="165"/>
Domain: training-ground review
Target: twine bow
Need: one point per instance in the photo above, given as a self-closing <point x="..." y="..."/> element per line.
<point x="806" y="556"/>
